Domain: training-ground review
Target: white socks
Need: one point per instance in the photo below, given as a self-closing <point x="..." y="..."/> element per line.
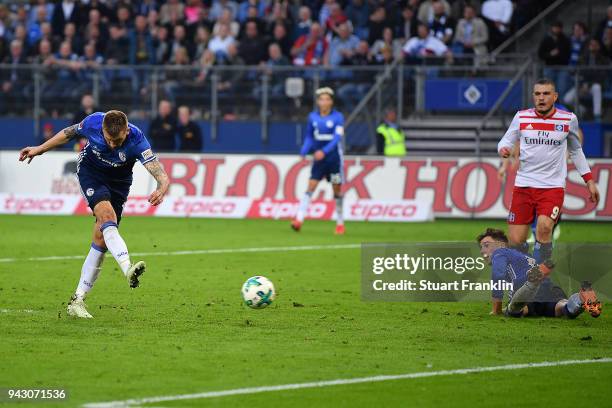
<point x="116" y="245"/>
<point x="339" y="210"/>
<point x="303" y="206"/>
<point x="90" y="270"/>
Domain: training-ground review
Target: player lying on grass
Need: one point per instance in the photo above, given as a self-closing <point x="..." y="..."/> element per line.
<point x="533" y="292"/>
<point x="323" y="134"/>
<point x="104" y="170"/>
<point x="544" y="134"/>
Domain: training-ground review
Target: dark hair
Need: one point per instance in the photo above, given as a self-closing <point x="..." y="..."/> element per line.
<point x="114" y="122"/>
<point x="545" y="81"/>
<point x="496" y="234"/>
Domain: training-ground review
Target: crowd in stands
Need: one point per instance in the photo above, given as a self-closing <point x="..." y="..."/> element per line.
<point x="70" y="39"/>
<point x="582" y="49"/>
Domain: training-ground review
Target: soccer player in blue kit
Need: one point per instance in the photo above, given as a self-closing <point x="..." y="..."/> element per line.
<point x="324" y="132"/>
<point x="533" y="292"/>
<point x="104" y="171"/>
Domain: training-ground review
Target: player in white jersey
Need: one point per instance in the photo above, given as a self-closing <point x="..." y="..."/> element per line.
<point x="545" y="135"/>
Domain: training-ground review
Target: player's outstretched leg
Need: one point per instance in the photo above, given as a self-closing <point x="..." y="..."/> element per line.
<point x="89" y="273"/>
<point x="119" y="250"/>
<point x="527" y="292"/>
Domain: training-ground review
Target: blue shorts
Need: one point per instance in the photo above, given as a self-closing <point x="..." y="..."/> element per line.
<point x="332" y="171"/>
<point x="96" y="189"/>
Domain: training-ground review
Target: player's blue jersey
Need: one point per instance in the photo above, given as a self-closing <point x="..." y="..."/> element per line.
<point x="324" y="133"/>
<point x="510" y="265"/>
<point x="114" y="164"/>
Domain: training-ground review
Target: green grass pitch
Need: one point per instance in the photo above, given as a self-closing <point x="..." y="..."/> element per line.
<point x="185" y="330"/>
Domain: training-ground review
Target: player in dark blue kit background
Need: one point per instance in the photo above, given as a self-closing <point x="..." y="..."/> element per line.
<point x="324" y="132"/>
<point x="533" y="292"/>
<point x="104" y="170"/>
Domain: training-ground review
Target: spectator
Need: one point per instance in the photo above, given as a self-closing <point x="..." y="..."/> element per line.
<point x="179" y="40"/>
<point x="14" y="80"/>
<point x="276" y="78"/>
<point x="64" y="12"/>
<point x="229" y="80"/>
<point x="204" y="64"/>
<point x="244" y="8"/>
<point x="178" y="78"/>
<point x="335" y="19"/>
<point x="591" y="81"/>
<point x="171" y="13"/>
<point x="66" y="67"/>
<point x="425" y="45"/>
<point x="378" y="22"/>
<point x="472" y="33"/>
<point x="227" y="18"/>
<point x="220" y="42"/>
<point x="497" y="14"/>
<point x="44" y="55"/>
<point x="118" y="47"/>
<point x="162" y="130"/>
<point x="141" y="43"/>
<point x="124" y="19"/>
<point x="252" y="47"/>
<point x="358" y="13"/>
<point x="70" y="35"/>
<point x="353" y="91"/>
<point x="192" y="11"/>
<point x="279" y="14"/>
<point x="45" y="34"/>
<point x="302" y="27"/>
<point x="386" y="42"/>
<point x="34" y="11"/>
<point x="35" y="27"/>
<point x="280" y="37"/>
<point x="578" y="41"/>
<point x="95" y="20"/>
<point x="554" y="50"/>
<point x="89" y="63"/>
<point x="161" y="46"/>
<point x="407" y="24"/>
<point x="605" y="24"/>
<point x="342" y="47"/>
<point x="325" y="11"/>
<point x="20" y="34"/>
<point x="426" y="10"/>
<point x="441" y="25"/>
<point x="88" y="106"/>
<point x="202" y="21"/>
<point x="309" y="49"/>
<point x="219" y="6"/>
<point x="189" y="133"/>
<point x="202" y="38"/>
<point x="607" y="43"/>
<point x="390" y="139"/>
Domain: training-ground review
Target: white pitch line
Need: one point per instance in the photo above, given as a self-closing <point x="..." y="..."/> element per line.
<point x="329" y="383"/>
<point x="197" y="252"/>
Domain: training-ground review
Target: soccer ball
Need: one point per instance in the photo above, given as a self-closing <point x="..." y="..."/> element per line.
<point x="258" y="292"/>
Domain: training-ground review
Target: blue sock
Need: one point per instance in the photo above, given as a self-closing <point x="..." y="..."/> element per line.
<point x="573" y="307"/>
<point x="542" y="251"/>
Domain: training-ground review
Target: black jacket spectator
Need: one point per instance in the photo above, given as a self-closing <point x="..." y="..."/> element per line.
<point x="162" y="130"/>
<point x="64" y="12"/>
<point x="253" y="47"/>
<point x="190" y="137"/>
<point x="555" y="47"/>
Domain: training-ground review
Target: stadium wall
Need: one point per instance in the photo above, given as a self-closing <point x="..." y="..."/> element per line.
<point x="265" y="186"/>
